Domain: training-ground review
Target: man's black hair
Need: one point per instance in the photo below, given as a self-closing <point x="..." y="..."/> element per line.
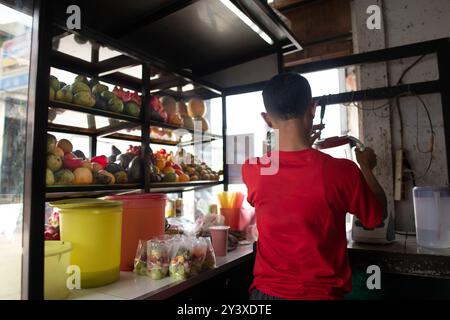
<point x="287" y="95"/>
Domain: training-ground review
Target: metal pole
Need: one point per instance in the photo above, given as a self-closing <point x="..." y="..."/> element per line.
<point x="145" y="115"/>
<point x="443" y="55"/>
<point x="224" y="141"/>
<point x="36" y="149"/>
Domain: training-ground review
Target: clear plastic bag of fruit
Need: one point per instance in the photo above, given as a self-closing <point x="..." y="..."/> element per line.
<point x="140" y="260"/>
<point x="158" y="255"/>
<point x="210" y="257"/>
<point x="199" y="248"/>
<point x="181" y="258"/>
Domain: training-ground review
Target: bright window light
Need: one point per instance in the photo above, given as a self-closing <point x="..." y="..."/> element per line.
<point x="247" y="21"/>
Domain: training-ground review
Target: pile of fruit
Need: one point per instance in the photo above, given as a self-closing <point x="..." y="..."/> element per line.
<point x="191" y="116"/>
<point x="68" y="167"/>
<point x="90" y="93"/>
<point x="169" y="167"/>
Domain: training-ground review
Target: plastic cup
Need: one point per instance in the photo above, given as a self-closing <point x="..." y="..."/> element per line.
<point x="219" y="236"/>
<point x="231" y="216"/>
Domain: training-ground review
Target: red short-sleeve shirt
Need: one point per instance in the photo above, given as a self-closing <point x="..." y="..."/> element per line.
<point x="300" y="213"/>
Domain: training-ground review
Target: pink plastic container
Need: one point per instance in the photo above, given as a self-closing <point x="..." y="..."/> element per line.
<point x="143" y="218"/>
<point x="219" y="237"/>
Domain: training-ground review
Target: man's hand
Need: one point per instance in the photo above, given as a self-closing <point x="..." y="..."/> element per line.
<point x="315" y="134"/>
<point x="366" y="158"/>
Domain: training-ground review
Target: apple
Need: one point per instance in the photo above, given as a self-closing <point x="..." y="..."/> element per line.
<point x="71" y="162"/>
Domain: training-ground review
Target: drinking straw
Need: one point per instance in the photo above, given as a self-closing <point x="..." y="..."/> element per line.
<point x="239" y="200"/>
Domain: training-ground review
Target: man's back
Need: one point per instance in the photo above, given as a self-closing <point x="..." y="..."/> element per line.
<point x="300" y="212"/>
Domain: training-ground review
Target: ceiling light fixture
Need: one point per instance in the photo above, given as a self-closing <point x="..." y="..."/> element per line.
<point x="247" y="21"/>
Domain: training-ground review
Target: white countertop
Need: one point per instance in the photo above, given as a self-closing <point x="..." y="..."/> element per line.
<point x="132" y="286"/>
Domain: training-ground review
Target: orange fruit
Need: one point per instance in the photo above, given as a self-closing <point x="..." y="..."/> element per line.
<point x="82" y="176"/>
<point x="160" y="164"/>
<point x="183" y="178"/>
<point x="168" y="170"/>
<point x="87" y="164"/>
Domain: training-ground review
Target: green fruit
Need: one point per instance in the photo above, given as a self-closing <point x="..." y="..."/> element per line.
<point x="54" y="162"/>
<point x="170" y="177"/>
<point x="84" y="98"/>
<point x="51" y="143"/>
<point x="51" y="95"/>
<point x="107" y="95"/>
<point x="115" y="105"/>
<point x="81" y="78"/>
<point x="99" y="88"/>
<point x="121" y="177"/>
<point x="64" y="176"/>
<point x="79" y="86"/>
<point x="49" y="177"/>
<point x="64" y="94"/>
<point x="132" y="109"/>
<point x="54" y="83"/>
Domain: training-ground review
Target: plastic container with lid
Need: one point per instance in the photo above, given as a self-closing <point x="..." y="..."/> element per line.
<point x="143" y="219"/>
<point x="57" y="259"/>
<point x="432" y="213"/>
<point x="94" y="228"/>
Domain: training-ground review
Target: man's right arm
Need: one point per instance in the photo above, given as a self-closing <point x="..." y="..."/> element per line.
<point x="368" y="161"/>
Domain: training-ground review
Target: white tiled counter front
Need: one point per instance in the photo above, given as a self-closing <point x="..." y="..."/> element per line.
<point x="132" y="286"/>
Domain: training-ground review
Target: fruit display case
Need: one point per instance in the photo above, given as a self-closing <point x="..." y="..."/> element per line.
<point x="88" y="107"/>
<point x="174" y="60"/>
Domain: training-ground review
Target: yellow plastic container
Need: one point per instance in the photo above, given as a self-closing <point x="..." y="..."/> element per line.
<point x="94" y="227"/>
<point x="57" y="259"/>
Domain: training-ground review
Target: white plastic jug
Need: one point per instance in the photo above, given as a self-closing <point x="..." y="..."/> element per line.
<point x="432" y="213"/>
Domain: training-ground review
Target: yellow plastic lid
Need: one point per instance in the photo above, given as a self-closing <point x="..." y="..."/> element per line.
<point x="84" y="203"/>
<point x="55" y="247"/>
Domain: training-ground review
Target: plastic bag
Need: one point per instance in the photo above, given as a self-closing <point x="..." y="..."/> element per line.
<point x="140" y="260"/>
<point x="158" y="251"/>
<point x="199" y="248"/>
<point x="181" y="258"/>
<point x="210" y="258"/>
<point x="202" y="224"/>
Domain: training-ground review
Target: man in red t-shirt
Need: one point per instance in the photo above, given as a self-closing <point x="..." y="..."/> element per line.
<point x="301" y="197"/>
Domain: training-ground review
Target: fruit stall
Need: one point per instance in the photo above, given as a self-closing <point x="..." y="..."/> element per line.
<point x="129" y="110"/>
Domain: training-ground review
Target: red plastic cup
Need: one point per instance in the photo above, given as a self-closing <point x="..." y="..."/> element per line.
<point x="219" y="236"/>
<point x="231" y="216"/>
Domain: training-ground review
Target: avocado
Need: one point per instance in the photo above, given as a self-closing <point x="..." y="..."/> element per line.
<point x="113" y="168"/>
<point x="135" y="169"/>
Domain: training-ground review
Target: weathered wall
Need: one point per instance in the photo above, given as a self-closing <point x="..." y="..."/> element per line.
<point x="405" y="22"/>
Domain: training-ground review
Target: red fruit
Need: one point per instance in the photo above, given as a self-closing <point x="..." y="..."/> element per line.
<point x="169" y="164"/>
<point x="101" y="160"/>
<point x="176" y="167"/>
<point x="72" y="163"/>
<point x="70" y="156"/>
<point x="163" y="151"/>
<point x="51" y="233"/>
<point x="179" y="172"/>
<point x="154" y="103"/>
